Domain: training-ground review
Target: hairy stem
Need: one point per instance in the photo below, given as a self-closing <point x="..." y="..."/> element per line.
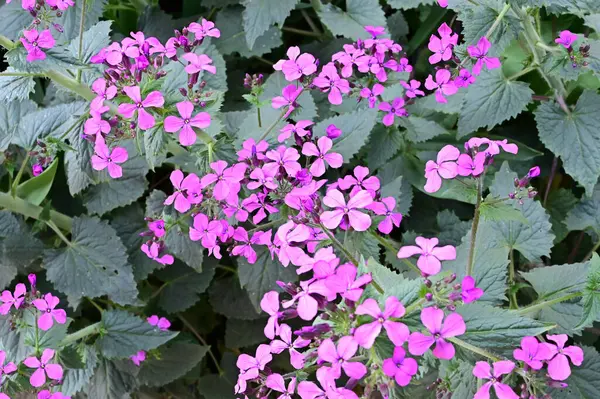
<point x="499" y="19"/>
<point x="6" y="42"/>
<point x="473" y="348"/>
<point x="550" y="179"/>
<point x="511" y="281"/>
<point x="594" y="249"/>
<point x="272" y="126"/>
<point x="22" y="207"/>
<point x="475" y="226"/>
<point x="92" y="329"/>
<point x="541" y="305"/>
<point x="13" y="187"/>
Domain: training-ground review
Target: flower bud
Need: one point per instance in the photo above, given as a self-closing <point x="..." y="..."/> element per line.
<point x="428" y="283"/>
<point x="429" y="296"/>
<point x="32" y="280"/>
<point x="37" y="169"/>
<point x="534" y="172"/>
<point x="58" y="28"/>
<point x="333" y="132"/>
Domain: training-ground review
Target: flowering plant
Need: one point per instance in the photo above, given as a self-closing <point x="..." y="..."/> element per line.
<point x="186" y="232"/>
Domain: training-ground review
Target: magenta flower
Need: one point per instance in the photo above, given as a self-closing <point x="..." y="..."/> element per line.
<point x="60" y="4"/>
<point x="298" y="129"/>
<point x="307" y="304"/>
<point x="345" y="283"/>
<point x="138" y="358"/>
<point x="372" y="94"/>
<point x="185" y="124"/>
<point x="7" y="368"/>
<point x="45" y="394"/>
<point x="168" y="50"/>
<point x="9" y="300"/>
<point x="114" y="53"/>
<point x="375" y="30"/>
<point x="468" y="166"/>
<point x="270" y="304"/>
<point x="244" y="246"/>
<point x="400" y="367"/>
<point x="49" y="314"/>
<point x="566" y="38"/>
<point x="412" y="89"/>
<point x="482" y="370"/>
<point x="310" y="390"/>
<point x="442" y="46"/>
<point x="297" y="64"/>
<point x="188" y="191"/>
<point x="493" y="146"/>
<point x="321" y="151"/>
<point x="360" y="181"/>
<point x="348" y="58"/>
<point x="480" y="53"/>
<point x="258" y="362"/>
<point x="259" y="201"/>
<point x="287" y="342"/>
<point x="96" y="125"/>
<point x="205" y="230"/>
<point x="145" y="120"/>
<point x="284" y="158"/>
<point x="394" y="109"/>
<point x="558" y="365"/>
<point x="106" y="159"/>
<point x="34" y="41"/>
<point x="277" y="384"/>
<point x="419" y="343"/>
<point x="157" y="227"/>
<point x="464" y="78"/>
<point x="329" y="81"/>
<point x="288" y="99"/>
<point x="469" y="292"/>
<point x="339" y="357"/>
<point x="442" y="3"/>
<point x="397" y="332"/>
<point x="233" y="208"/>
<point x="204" y="29"/>
<point x="288" y="236"/>
<point x="533" y="172"/>
<point x="37" y="169"/>
<point x="227" y="179"/>
<point x="442" y="85"/>
<point x="431" y="256"/>
<point x="262" y="177"/>
<point x="386" y="208"/>
<point x="252" y="149"/>
<point x="153" y="251"/>
<point x="53" y="371"/>
<point x="533" y="353"/>
<point x="104" y="92"/>
<point x="346" y="213"/>
<point x="199" y="63"/>
<point x="161" y="323"/>
<point x="445" y="167"/>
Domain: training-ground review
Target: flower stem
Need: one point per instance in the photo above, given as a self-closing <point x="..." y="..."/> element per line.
<point x="475" y="226"/>
<point x="521" y="73"/>
<point x="22" y="207"/>
<point x="300" y="31"/>
<point x="499" y="19"/>
<point x="511" y="281"/>
<point x="543" y="304"/>
<point x="272" y="126"/>
<point x="594" y="249"/>
<point x="202" y="341"/>
<point x="13" y="187"/>
<point x="473" y="348"/>
<point x="92" y="329"/>
<point x="6" y="42"/>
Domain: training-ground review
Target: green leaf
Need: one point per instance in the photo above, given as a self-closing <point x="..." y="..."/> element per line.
<point x="154" y="146"/>
<point x="384" y="143"/>
<point x="453" y="106"/>
<point x="37" y="188"/>
<point x="229" y="299"/>
<point x="398" y="26"/>
<point x="560" y="203"/>
<point x="15" y="87"/>
<point x="105" y="197"/>
<point x="586" y="214"/>
<point x="92" y="265"/>
<point x="492" y="100"/>
<point x="124" y="334"/>
<point x="71" y="19"/>
<point x="493" y="210"/>
<point x="259" y="15"/>
<point x="76" y="379"/>
<point x="94" y="39"/>
<point x="393" y="184"/>
<point x="583" y="382"/>
<point x="12" y="341"/>
<point x="591" y="294"/>
<point x="574" y="137"/>
<point x="478" y="20"/>
<point x="393" y="284"/>
<point x="155" y="203"/>
<point x="175" y="361"/>
<point x="14" y="20"/>
<point x="112" y="380"/>
<point x="351" y="23"/>
<point x="262" y="276"/>
<point x="408" y="4"/>
<point x="463" y="383"/>
<point x="242" y="333"/>
<point x="182" y="286"/>
<point x="451" y="228"/>
<point x="420" y="129"/>
<point x="179" y="244"/>
<point x="10" y="115"/>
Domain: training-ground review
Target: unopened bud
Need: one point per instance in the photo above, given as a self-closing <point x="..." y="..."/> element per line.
<point x="429" y="296"/>
<point x="333" y="132"/>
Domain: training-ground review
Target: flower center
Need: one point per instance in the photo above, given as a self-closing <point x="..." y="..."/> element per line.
<point x="139" y="105"/>
<point x="186" y="121"/>
<point x="381" y="320"/>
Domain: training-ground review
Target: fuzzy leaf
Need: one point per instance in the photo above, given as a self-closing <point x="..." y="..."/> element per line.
<point x="242" y="333"/>
<point x="76" y="379"/>
<point x="591" y="294"/>
<point x="420" y="129"/>
<point x="583" y="382"/>
<point x="392" y="283"/>
<point x="179" y="244"/>
<point x="112" y="380"/>
<point x="229" y="299"/>
<point x="259" y="15"/>
<point x="586" y="214"/>
<point x="559" y="205"/>
<point x="94" y="39"/>
<point x="71" y="19"/>
<point x="105" y="197"/>
<point x="384" y="143"/>
<point x="175" y="361"/>
<point x="15" y="87"/>
<point x="451" y="228"/>
<point x="351" y="23"/>
<point x="10" y="115"/>
<point x="408" y="4"/>
<point x="182" y="286"/>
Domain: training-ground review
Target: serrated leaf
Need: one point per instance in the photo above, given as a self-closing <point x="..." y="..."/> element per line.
<point x="384" y="143"/>
<point x="453" y="106"/>
<point x="494" y="210"/>
<point x="478" y="20"/>
<point x="12" y="341"/>
<point x="229" y="299"/>
<point x="242" y="333"/>
<point x="351" y="23"/>
<point x="10" y="115"/>
<point x="259" y="15"/>
<point x="451" y="228"/>
<point x="155" y="203"/>
<point x="398" y="26"/>
<point x="105" y="197"/>
<point x="94" y="39"/>
<point x="14" y="20"/>
<point x="408" y="4"/>
<point x="463" y="383"/>
<point x="94" y="264"/>
<point x="392" y="283"/>
<point x="71" y="19"/>
<point x="560" y="203"/>
<point x="492" y="100"/>
<point x="586" y="214"/>
<point x="583" y="381"/>
<point x="179" y="244"/>
<point x="574" y="137"/>
<point x="420" y="129"/>
<point x="182" y="286"/>
<point x="174" y="362"/>
<point x="124" y="334"/>
<point x="15" y="87"/>
<point x="393" y="184"/>
<point x="591" y="294"/>
<point x="76" y="379"/>
<point x="111" y="380"/>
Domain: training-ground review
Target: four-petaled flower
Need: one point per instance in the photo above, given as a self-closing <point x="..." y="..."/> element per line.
<point x="34" y="41"/>
<point x="188" y="191"/>
<point x="480" y="53"/>
<point x="297" y="64"/>
<point x="199" y="63"/>
<point x="329" y="81"/>
<point x="277" y="384"/>
<point x="533" y="353"/>
<point x="419" y="343"/>
<point x="345" y="283"/>
<point x="386" y="208"/>
<point x="153" y="251"/>
<point x="107" y="159"/>
<point x="288" y="97"/>
<point x="412" y="89"/>
<point x="299" y="129"/>
<point x="566" y="38"/>
<point x="287" y="342"/>
<point x="53" y="371"/>
<point x="321" y="152"/>
<point x="372" y="94"/>
<point x="104" y="91"/>
<point x="328" y="390"/>
<point x="442" y="46"/>
<point x="270" y="304"/>
<point x="397" y="332"/>
<point x="443" y="167"/>
<point x="340" y="357"/>
<point x="203" y="29"/>
<point x="558" y="365"/>
<point x="468" y="166"/>
<point x="9" y="300"/>
<point x="431" y="256"/>
<point x="161" y="323"/>
<point x="483" y="370"/>
<point x="345" y="214"/>
<point x="49" y="314"/>
<point x="394" y="109"/>
<point x="7" y="368"/>
<point x="145" y="120"/>
<point x="227" y="179"/>
<point x="184" y="125"/>
<point x="469" y="292"/>
<point x="138" y="358"/>
<point x="443" y="85"/>
<point x="205" y="230"/>
<point x="400" y="367"/>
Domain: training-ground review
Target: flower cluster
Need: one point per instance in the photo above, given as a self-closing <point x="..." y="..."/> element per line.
<point x="160" y="323"/>
<point x="577" y="57"/>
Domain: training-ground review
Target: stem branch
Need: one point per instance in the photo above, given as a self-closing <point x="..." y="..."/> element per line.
<point x="475" y="226"/>
<point x="540" y="305"/>
<point x="22" y="207"/>
<point x="92" y="329"/>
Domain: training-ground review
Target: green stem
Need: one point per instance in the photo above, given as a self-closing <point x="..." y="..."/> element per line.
<point x="310" y="22"/>
<point x="272" y="126"/>
<point x="258" y="115"/>
<point x="202" y="341"/>
<point x="81" y="30"/>
<point x="267" y="225"/>
<point x="6" y="43"/>
<point x="25" y="74"/>
<point x="475" y="226"/>
<point x="92" y="329"/>
<point x="473" y="348"/>
<point x="550" y="49"/>
<point x="594" y="249"/>
<point x="540" y="305"/>
<point x="300" y="31"/>
<point x="414" y="306"/>
<point x="59" y="233"/>
<point x="499" y="19"/>
<point x="511" y="281"/>
<point x="22" y="207"/>
<point x="13" y="187"/>
<point x="521" y="73"/>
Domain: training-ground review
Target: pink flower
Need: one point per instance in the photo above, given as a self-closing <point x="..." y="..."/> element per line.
<point x="258" y="362"/>
<point x="443" y="86"/>
<point x="114" y="53"/>
<point x="270" y="304"/>
<point x="188" y="191"/>
<point x="386" y="208"/>
<point x="431" y="256"/>
<point x="49" y="314"/>
<point x="533" y="172"/>
<point x="469" y="292"/>
<point x="442" y="46"/>
<point x="372" y="94"/>
<point x="482" y="370"/>
<point x="340" y="357"/>
<point x="245" y="248"/>
<point x="345" y="283"/>
<point x="161" y="323"/>
<point x="287" y="237"/>
<point x="187" y="136"/>
<point x="493" y="146"/>
<point x="60" y="4"/>
<point x="400" y="367"/>
<point x="299" y="129"/>
<point x="37" y="169"/>
<point x="46" y="394"/>
<point x="251" y="149"/>
<point x="199" y="63"/>
<point x="153" y="252"/>
<point x="205" y="230"/>
<point x="375" y="30"/>
<point x="277" y="384"/>
<point x="34" y="41"/>
<point x="480" y="53"/>
<point x="467" y="166"/>
<point x="138" y="358"/>
<point x="168" y="50"/>
<point x="346" y="213"/>
<point x="348" y="58"/>
<point x="286" y="342"/>
<point x="157" y="227"/>
<point x="145" y="120"/>
<point x="445" y="167"/>
<point x="307" y="304"/>
<point x="329" y="81"/>
<point x="262" y="177"/>
<point x="297" y="65"/>
<point x="104" y="92"/>
<point x="558" y="366"/>
<point x="96" y="125"/>
<point x="9" y="299"/>
<point x="324" y="144"/>
<point x="233" y="208"/>
<point x="360" y="181"/>
<point x="442" y="3"/>
<point x="53" y="371"/>
<point x="288" y="99"/>
<point x="393" y="110"/>
<point x="533" y="353"/>
<point x="464" y="78"/>
<point x="397" y="332"/>
<point x="284" y="158"/>
<point x="227" y="179"/>
<point x="259" y="201"/>
<point x="203" y="29"/>
<point x="419" y="343"/>
<point x="566" y="38"/>
<point x="412" y="88"/>
<point x="7" y="368"/>
<point x="310" y="390"/>
<point x="104" y="158"/>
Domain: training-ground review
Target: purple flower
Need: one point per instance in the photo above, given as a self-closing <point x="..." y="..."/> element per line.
<point x="161" y="323"/>
<point x="400" y="367"/>
<point x="533" y="172"/>
<point x="393" y="110"/>
<point x="37" y="169"/>
<point x="468" y="166"/>
<point x="419" y="343"/>
<point x="60" y="4"/>
<point x="306" y="299"/>
<point x="482" y="370"/>
<point x="184" y="125"/>
<point x="297" y="64"/>
<point x="138" y="358"/>
<point x="375" y="30"/>
<point x="348" y="58"/>
<point x="104" y="92"/>
<point x="53" y="371"/>
<point x="287" y="237"/>
<point x="329" y="81"/>
<point x="145" y="120"/>
<point x="284" y="158"/>
<point x="442" y="85"/>
<point x="360" y="181"/>
<point x="188" y="191"/>
<point x="533" y="353"/>
<point x="258" y="362"/>
<point x="49" y="314"/>
<point x="333" y="132"/>
<point x="566" y="38"/>
<point x="442" y="46"/>
<point x="286" y="342"/>
<point x="386" y="208"/>
<point x="157" y="227"/>
<point x="299" y="129"/>
<point x="443" y="3"/>
<point x="203" y="29"/>
<point x="288" y="99"/>
<point x="339" y="357"/>
<point x="469" y="292"/>
<point x="252" y="149"/>
<point x="199" y="63"/>
<point x="7" y="368"/>
<point x="9" y="300"/>
<point x="480" y="53"/>
<point x="397" y="332"/>
<point x="431" y="256"/>
<point x="444" y="167"/>
<point x="205" y="230"/>
<point x="262" y="177"/>
<point x="558" y="365"/>
<point x="310" y="390"/>
<point x="270" y="304"/>
<point x="372" y="94"/>
<point x="153" y="252"/>
<point x="493" y="146"/>
<point x="321" y="152"/>
<point x="412" y="88"/>
<point x="345" y="283"/>
<point x="244" y="246"/>
<point x="46" y="394"/>
<point x="233" y="208"/>
<point x="277" y="384"/>
<point x="346" y="213"/>
<point x="464" y="78"/>
<point x="227" y="179"/>
<point x="34" y="41"/>
<point x="259" y="201"/>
